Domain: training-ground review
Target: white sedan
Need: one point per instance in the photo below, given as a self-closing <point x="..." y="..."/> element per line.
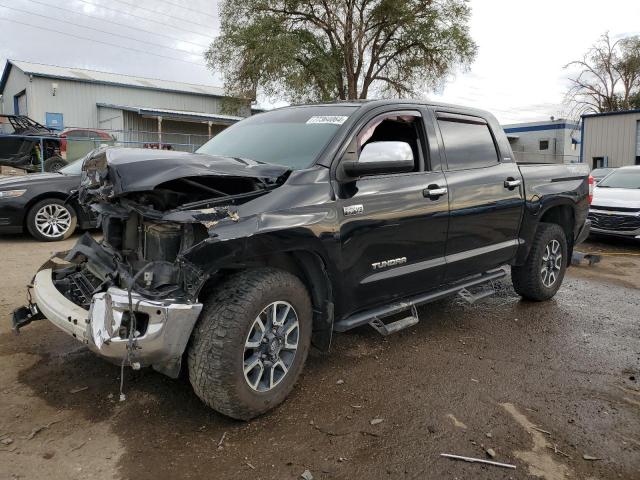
<point x="615" y="209"/>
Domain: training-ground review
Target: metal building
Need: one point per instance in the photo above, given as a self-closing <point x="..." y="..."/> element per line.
<point x="135" y="109"/>
<point x="611" y="139"/>
<point x="553" y="141"/>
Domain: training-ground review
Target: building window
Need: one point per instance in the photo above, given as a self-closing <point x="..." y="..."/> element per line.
<point x="598" y="162"/>
<point x="544" y="144"/>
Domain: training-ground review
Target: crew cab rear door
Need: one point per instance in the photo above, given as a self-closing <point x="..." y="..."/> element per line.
<point x="486" y="195"/>
<point x="392" y="230"/>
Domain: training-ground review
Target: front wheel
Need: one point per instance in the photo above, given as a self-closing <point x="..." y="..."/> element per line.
<point x="51" y="220"/>
<point x="542" y="274"/>
<point x="251" y="342"/>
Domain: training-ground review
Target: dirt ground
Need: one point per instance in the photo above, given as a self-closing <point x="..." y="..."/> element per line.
<point x="552" y="388"/>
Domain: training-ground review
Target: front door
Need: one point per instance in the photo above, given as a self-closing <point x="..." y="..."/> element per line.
<point x="392" y="230"/>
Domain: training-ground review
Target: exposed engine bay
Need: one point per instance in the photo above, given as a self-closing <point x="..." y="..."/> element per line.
<point x="169" y="204"/>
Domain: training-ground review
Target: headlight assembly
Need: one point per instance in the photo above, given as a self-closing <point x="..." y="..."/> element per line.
<point x="11" y="193"/>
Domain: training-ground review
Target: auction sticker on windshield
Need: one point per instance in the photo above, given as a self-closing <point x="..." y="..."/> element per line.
<point x="334" y="119"/>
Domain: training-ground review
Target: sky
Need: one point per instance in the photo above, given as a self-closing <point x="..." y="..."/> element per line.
<point x="518" y="74"/>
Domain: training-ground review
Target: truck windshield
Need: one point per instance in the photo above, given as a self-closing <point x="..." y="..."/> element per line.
<point x="623" y="178"/>
<point x="292" y="137"/>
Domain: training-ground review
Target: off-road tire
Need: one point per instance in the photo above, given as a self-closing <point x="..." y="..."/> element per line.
<point x="53" y="164"/>
<point x="30" y="220"/>
<point x="215" y="354"/>
<point x="527" y="278"/>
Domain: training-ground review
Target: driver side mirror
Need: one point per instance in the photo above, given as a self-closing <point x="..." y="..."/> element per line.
<point x="380" y="158"/>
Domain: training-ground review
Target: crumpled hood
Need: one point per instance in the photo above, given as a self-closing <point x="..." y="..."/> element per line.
<point x="616" y="197"/>
<point x="136" y="170"/>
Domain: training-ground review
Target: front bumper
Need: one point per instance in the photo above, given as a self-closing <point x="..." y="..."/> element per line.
<point x="615" y="223"/>
<point x="167" y="327"/>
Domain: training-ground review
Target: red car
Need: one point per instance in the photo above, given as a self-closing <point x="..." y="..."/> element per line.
<point x="82" y="134"/>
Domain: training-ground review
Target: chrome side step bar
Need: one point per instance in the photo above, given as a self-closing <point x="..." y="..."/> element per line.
<point x="374" y="316"/>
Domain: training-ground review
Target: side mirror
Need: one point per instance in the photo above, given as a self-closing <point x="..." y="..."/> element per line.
<point x="380" y="158"/>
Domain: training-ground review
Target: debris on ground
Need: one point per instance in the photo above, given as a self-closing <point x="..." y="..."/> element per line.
<point x="491" y="452"/>
<point x="376" y="421"/>
<point x="78" y="390"/>
<point x="488" y="435"/>
<point x="456" y="422"/>
<point x="590" y="457"/>
<point x="221" y="442"/>
<point x="340" y="382"/>
<point x="558" y="451"/>
<point x="306" y="475"/>
<point x="37" y="430"/>
<point x="7" y="441"/>
<point x="250" y="466"/>
<point x="590" y="258"/>
<point x="477" y="460"/>
<point x="541" y="430"/>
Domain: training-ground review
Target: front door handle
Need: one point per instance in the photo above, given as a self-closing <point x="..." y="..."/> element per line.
<point x="512" y="183"/>
<point x="434" y="191"/>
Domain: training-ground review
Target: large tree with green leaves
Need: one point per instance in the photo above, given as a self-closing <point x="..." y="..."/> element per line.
<point x="318" y="50"/>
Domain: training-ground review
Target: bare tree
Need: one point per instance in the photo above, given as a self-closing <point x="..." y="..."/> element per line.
<point x="608" y="77"/>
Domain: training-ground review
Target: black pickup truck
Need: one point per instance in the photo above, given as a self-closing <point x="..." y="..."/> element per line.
<point x="296" y="223"/>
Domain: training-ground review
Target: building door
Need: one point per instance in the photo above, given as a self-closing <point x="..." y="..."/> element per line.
<point x="20" y="103"/>
<point x="638" y="142"/>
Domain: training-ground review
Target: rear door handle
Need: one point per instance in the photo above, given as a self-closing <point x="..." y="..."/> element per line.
<point x="512" y="183"/>
<point x="434" y="191"/>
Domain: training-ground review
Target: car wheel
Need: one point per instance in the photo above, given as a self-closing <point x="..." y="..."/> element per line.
<point x="251" y="342"/>
<point x="53" y="164"/>
<point x="542" y="274"/>
<point x="51" y="220"/>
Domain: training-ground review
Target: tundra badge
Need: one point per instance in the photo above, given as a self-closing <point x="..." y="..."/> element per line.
<point x="353" y="210"/>
<point x="389" y="263"/>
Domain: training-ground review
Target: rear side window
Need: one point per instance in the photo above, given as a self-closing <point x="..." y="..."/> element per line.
<point x="467" y="145"/>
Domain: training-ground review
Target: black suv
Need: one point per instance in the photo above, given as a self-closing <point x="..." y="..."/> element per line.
<point x="25" y="144"/>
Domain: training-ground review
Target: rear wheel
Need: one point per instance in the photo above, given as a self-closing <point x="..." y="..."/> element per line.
<point x="51" y="220"/>
<point x="53" y="164"/>
<point x="251" y="342"/>
<point x="542" y="274"/>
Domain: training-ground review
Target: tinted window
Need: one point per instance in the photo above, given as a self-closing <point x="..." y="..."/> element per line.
<point x="293" y="137"/>
<point x="467" y="145"/>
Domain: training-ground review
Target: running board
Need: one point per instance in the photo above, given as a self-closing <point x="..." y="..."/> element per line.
<point x="472" y="298"/>
<point x="375" y="314"/>
<point x="385" y="329"/>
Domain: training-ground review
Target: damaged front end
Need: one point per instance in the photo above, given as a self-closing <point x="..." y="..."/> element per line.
<point x="132" y="297"/>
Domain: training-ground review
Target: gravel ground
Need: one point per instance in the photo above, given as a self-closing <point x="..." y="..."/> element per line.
<point x="552" y="388"/>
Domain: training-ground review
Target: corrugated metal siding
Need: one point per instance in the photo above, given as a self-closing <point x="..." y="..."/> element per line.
<point x="77" y="100"/>
<point x="612" y="136"/>
<point x="637" y="139"/>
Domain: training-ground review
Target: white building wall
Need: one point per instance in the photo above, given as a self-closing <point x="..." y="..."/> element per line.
<point x="16" y="83"/>
<point x="614" y="137"/>
<point x="526" y="146"/>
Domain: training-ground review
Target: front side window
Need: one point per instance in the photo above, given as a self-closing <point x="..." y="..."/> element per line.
<point x="293" y="137"/>
<point x="622" y="178"/>
<point x="393" y="136"/>
<point x="467" y="145"/>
